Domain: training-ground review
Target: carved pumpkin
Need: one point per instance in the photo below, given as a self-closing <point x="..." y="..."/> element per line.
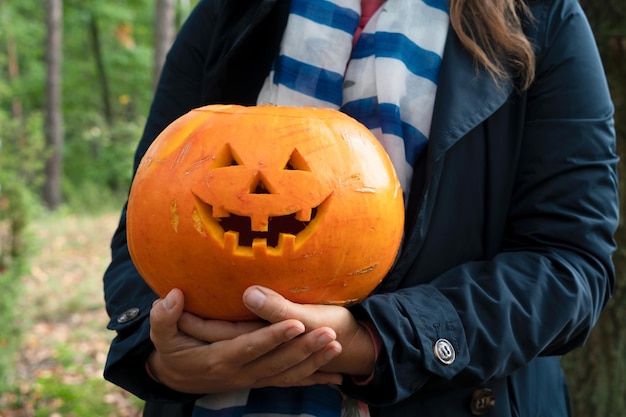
<point x="304" y="201"/>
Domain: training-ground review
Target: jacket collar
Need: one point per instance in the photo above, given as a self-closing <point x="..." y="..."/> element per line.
<point x="466" y="96"/>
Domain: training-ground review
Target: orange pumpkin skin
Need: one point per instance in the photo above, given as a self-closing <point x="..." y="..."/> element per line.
<point x="301" y="200"/>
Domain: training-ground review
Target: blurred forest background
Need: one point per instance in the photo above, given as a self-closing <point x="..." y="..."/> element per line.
<point x="76" y="80"/>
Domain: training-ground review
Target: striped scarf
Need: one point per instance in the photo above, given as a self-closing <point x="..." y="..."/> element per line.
<point x="387" y="80"/>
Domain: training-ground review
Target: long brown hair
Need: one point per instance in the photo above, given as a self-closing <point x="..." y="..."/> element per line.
<point x="491" y="30"/>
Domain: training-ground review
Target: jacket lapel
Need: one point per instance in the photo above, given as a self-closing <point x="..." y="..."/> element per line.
<point x="466" y="96"/>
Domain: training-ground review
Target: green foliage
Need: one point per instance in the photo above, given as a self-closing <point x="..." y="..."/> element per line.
<point x="21" y="146"/>
<point x="108" y="59"/>
<point x="10" y="331"/>
<point x="22" y="27"/>
<point x="61" y="312"/>
<point x="107" y="89"/>
<point x="72" y="391"/>
<point x="21" y="165"/>
<point x="22" y="151"/>
<point x="53" y="395"/>
<point x="15" y="210"/>
<point x="98" y="168"/>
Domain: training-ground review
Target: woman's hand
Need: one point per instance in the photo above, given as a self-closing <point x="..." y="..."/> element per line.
<point x="358" y="352"/>
<point x="206" y="356"/>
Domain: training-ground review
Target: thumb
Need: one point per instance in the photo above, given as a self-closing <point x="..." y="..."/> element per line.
<point x="164" y="317"/>
<point x="271" y="306"/>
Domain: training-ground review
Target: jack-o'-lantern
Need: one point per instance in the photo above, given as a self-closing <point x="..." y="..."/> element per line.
<point x="301" y="200"/>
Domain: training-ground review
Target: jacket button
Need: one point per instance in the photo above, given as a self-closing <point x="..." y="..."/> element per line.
<point x="444" y="351"/>
<point x="483" y="400"/>
<point x="128" y="315"/>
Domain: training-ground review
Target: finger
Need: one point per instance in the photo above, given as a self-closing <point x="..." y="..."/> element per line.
<point x="307" y="371"/>
<point x="164" y="316"/>
<point x="296" y="352"/>
<point x="215" y="330"/>
<point x="251" y="346"/>
<point x="270" y="305"/>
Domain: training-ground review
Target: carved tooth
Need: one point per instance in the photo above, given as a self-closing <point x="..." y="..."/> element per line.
<point x="231" y="241"/>
<point x="287" y="242"/>
<point x="304" y="215"/>
<point x="259" y="248"/>
<point x="259" y="223"/>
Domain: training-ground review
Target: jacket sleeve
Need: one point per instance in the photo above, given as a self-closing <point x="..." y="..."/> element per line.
<point x="128" y="299"/>
<point x="543" y="291"/>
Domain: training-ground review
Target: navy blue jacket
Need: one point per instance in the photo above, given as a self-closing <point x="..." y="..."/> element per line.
<point x="506" y="260"/>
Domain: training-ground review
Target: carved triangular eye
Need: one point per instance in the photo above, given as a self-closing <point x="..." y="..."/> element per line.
<point x="226" y="157"/>
<point x="296" y="162"/>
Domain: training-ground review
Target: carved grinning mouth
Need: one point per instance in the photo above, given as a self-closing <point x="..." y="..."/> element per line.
<point x="235" y="231"/>
<point x="277" y="225"/>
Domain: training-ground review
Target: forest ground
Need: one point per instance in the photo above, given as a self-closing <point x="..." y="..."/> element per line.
<point x="59" y="367"/>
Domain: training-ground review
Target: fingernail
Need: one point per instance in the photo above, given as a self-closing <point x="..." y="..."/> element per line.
<point x="331" y="354"/>
<point x="254" y="299"/>
<point x="169" y="301"/>
<point x="324" y="339"/>
<point x="293" y="332"/>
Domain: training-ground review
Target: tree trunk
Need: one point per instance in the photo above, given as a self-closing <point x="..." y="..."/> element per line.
<point x="597" y="372"/>
<point x="54" y="118"/>
<point x="16" y="105"/>
<point x="105" y="92"/>
<point x="164" y="34"/>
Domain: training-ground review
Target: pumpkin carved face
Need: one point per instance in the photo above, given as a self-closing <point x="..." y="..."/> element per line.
<point x="259" y="197"/>
<point x="304" y="201"/>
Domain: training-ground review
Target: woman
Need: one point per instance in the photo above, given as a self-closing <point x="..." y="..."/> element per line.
<point x="502" y="134"/>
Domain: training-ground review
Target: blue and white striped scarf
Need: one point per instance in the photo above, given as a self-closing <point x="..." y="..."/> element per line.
<point x="388" y="82"/>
